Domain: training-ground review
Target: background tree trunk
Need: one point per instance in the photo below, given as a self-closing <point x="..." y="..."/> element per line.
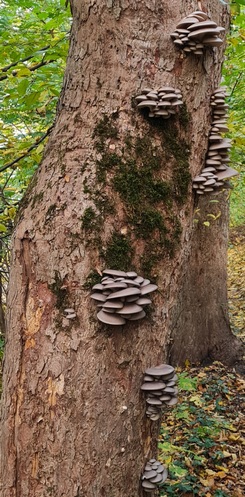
<point x="73" y="422"/>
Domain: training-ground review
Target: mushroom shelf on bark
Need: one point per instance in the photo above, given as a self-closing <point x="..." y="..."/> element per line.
<point x="159" y="384"/>
<point x="154" y="475"/>
<point x="121" y="296"/>
<point x="216" y="169"/>
<point x="195" y="32"/>
<point x="162" y="102"/>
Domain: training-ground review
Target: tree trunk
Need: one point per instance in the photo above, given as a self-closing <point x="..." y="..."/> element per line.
<point x="73" y="417"/>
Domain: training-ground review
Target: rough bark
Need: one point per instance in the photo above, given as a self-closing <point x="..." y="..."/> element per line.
<point x="200" y="329"/>
<point x="73" y="422"/>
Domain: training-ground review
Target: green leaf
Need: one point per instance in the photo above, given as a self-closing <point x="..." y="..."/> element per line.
<point x="168" y="447"/>
<point x="23" y="72"/>
<point x="22" y="87"/>
<point x="183" y="414"/>
<point x="12" y="212"/>
<point x="187" y="383"/>
<point x="40" y="148"/>
<point x="32" y="98"/>
<point x="177" y="471"/>
<point x="3" y="228"/>
<point x="196" y="400"/>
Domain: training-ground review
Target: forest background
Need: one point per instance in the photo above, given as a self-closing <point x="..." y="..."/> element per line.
<point x="207" y="424"/>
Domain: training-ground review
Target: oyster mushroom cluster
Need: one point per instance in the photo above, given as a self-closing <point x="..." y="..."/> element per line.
<point x="159" y="384"/>
<point x="195" y="32"/>
<point x="121" y="296"/>
<point x="216" y="169"/>
<point x="70" y="313"/>
<point x="161" y="103"/>
<point x="154" y="475"/>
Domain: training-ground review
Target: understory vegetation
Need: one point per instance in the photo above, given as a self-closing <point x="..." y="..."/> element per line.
<point x="233" y="76"/>
<point x="202" y="439"/>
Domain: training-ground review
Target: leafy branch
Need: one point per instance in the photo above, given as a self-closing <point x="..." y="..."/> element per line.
<point x="29" y="150"/>
<point x="25" y="59"/>
<point x="236" y="83"/>
<point x="13" y="64"/>
<point x="33" y="68"/>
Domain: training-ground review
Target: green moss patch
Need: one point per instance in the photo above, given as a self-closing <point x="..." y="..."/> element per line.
<point x="89" y="219"/>
<point x="136" y="184"/>
<point x="119" y="252"/>
<point x="176" y="147"/>
<point x="184" y="116"/>
<point x="149" y="200"/>
<point x="150" y="222"/>
<point x="148" y="262"/>
<point x="182" y="179"/>
<point x="107" y="162"/>
<point x="92" y="279"/>
<point x="59" y="292"/>
<point x="104" y="129"/>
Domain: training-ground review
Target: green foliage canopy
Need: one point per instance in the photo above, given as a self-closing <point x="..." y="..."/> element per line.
<point x="233" y="72"/>
<point x="35" y="39"/>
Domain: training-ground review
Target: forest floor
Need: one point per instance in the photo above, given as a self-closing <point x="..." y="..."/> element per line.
<point x="203" y="438"/>
<point x="236" y="281"/>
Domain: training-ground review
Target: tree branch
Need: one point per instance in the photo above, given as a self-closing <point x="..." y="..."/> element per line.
<point x="6" y="68"/>
<point x="236" y="83"/>
<point x="29" y="150"/>
<point x="13" y="64"/>
<point x="33" y="68"/>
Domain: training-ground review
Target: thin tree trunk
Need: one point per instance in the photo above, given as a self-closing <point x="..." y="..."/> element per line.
<point x="2" y="313"/>
<point x="73" y="417"/>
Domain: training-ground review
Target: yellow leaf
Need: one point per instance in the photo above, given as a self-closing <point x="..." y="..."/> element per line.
<point x="218" y="215"/>
<point x="223" y="468"/>
<point x="226" y="453"/>
<point x="209" y="482"/>
<point x="210" y="472"/>
<point x="232" y="428"/>
<point x="234" y="437"/>
<point x="188" y="462"/>
<point x="221" y="474"/>
<point x="10" y="189"/>
<point x="24" y="72"/>
<point x="39" y="149"/>
<point x="3" y="228"/>
<point x="41" y="110"/>
<point x="196" y="400"/>
<point x="67" y="178"/>
<point x="202" y="374"/>
<point x="12" y="212"/>
<point x="43" y="95"/>
<point x="187" y="363"/>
